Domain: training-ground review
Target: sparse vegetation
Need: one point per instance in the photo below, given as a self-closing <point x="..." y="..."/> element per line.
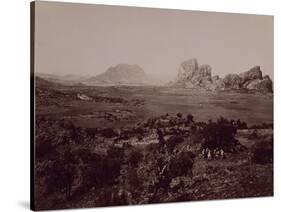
<point x="220" y="134"/>
<point x="120" y="154"/>
<point x="263" y="151"/>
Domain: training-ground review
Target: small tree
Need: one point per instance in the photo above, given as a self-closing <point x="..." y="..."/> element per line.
<point x="179" y="115"/>
<point x="181" y="165"/>
<point x="219" y="134"/>
<point x="189" y="119"/>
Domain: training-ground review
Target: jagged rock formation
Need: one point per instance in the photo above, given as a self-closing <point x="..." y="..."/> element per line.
<point x="253" y="73"/>
<point x="232" y="81"/>
<point x="187" y="70"/>
<point x="265" y="84"/>
<point x="191" y="75"/>
<point x="250" y="80"/>
<point x="120" y="74"/>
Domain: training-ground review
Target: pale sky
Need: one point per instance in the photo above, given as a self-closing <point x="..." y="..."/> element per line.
<point x="85" y="39"/>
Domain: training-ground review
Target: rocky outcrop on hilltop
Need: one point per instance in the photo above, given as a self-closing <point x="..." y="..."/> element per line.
<point x="191" y="75"/>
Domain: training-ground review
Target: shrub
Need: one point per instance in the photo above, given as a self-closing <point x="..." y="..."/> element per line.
<point x="110" y="170"/>
<point x="263" y="152"/>
<point x="253" y="135"/>
<point x="60" y="174"/>
<point x="91" y="132"/>
<point x="219" y="134"/>
<point x="108" y="133"/>
<point x="86" y="156"/>
<point x="173" y="141"/>
<point x="43" y="149"/>
<point x="181" y="165"/>
<point x="115" y="152"/>
<point x="189" y="119"/>
<point x="179" y="115"/>
<point x="135" y="157"/>
<point x="100" y="171"/>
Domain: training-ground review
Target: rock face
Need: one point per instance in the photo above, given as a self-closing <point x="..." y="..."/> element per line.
<point x="232" y="81"/>
<point x="187" y="70"/>
<point x="253" y="73"/>
<point x="264" y="85"/>
<point x="121" y="74"/>
<point x="191" y="75"/>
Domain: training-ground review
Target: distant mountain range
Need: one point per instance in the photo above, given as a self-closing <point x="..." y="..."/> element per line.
<point x="190" y="75"/>
<point x="63" y="79"/>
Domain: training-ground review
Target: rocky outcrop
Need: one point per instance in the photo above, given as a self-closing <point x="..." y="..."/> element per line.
<point x="249" y="80"/>
<point x="264" y="85"/>
<point x="203" y="76"/>
<point x="232" y="81"/>
<point x="252" y="74"/>
<point x="191" y="75"/>
<point x="187" y="70"/>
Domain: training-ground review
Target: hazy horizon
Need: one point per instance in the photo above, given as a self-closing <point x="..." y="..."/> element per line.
<point x="85" y="39"/>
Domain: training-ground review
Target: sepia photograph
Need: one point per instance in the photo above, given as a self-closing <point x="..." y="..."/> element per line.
<point x="137" y="105"/>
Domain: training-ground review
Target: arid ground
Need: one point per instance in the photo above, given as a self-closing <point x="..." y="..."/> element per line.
<point x="118" y="145"/>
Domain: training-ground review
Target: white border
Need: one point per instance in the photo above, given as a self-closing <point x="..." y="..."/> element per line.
<point x="14" y="118"/>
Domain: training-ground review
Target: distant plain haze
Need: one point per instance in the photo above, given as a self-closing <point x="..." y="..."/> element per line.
<point x="83" y="39"/>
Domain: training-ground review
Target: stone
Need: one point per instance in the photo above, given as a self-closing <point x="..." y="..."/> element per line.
<point x="232" y="81"/>
<point x="252" y="74"/>
<point x="193" y="76"/>
<point x="187" y="69"/>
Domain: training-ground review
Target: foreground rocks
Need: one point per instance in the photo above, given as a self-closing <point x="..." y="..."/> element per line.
<point x="191" y="75"/>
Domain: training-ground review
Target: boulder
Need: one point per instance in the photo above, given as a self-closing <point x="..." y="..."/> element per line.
<point x="252" y="74"/>
<point x="266" y="77"/>
<point x="232" y="81"/>
<point x="202" y="76"/>
<point x="264" y="85"/>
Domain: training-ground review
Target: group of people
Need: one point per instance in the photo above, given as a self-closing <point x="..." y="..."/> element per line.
<point x="210" y="154"/>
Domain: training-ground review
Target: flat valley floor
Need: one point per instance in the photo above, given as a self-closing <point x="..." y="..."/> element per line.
<point x="138" y="104"/>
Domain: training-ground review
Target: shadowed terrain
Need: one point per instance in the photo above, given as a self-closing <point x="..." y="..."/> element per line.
<point x="118" y="145"/>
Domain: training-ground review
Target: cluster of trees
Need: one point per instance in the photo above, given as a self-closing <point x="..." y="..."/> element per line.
<point x="64" y="160"/>
<point x="179" y="119"/>
<point x="68" y="167"/>
<point x="158" y="168"/>
<point x="219" y="134"/>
